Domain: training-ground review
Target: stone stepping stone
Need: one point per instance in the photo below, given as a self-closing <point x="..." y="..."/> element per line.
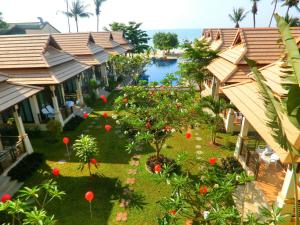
<point x="124" y="203"/>
<point x="128" y="191"/>
<point x="122" y="216"/>
<point x="198" y="139"/>
<point x="136" y="156"/>
<point x="134" y="163"/>
<point x="130" y="181"/>
<point x="199" y="152"/>
<point x="132" y="171"/>
<point x="198" y="146"/>
<point x="196" y="134"/>
<point x="62" y="161"/>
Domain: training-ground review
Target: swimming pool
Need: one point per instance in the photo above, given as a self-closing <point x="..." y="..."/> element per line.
<point x="158" y="68"/>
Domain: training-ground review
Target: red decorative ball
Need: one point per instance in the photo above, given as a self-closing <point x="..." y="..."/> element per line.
<point x="148" y="125"/>
<point x="125" y="100"/>
<point x="5" y="197"/>
<point x="107" y="127"/>
<point x="203" y="190"/>
<point x="86" y="115"/>
<point x="157" y="168"/>
<point x="105" y="115"/>
<point x="89" y="196"/>
<point x="66" y="140"/>
<point x="55" y="172"/>
<point x="212" y="161"/>
<point x="104" y="99"/>
<point x="188" y="135"/>
<point x="93" y="161"/>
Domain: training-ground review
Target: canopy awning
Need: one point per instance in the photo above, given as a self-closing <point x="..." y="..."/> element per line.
<point x="222" y="69"/>
<point x="246" y="97"/>
<point x="118" y="50"/>
<point x="234" y="54"/>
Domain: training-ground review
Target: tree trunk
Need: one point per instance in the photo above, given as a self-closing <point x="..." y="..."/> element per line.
<point x="237" y="25"/>
<point x="275" y="6"/>
<point x="287" y="11"/>
<point x="67" y="2"/>
<point x="254" y="20"/>
<point x="157" y="150"/>
<point x="76" y="20"/>
<point x="97" y="23"/>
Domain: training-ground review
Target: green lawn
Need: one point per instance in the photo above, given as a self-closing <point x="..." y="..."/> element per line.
<point x="111" y="176"/>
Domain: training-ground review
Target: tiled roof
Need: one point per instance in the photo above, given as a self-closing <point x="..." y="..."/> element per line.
<point x="234" y="54"/>
<point x="3" y="77"/>
<point x="105" y="40"/>
<point x="225" y="38"/>
<point x="240" y="75"/>
<point x="222" y="69"/>
<point x="118" y="36"/>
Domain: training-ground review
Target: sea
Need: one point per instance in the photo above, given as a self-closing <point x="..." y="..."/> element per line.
<point x="183" y="34"/>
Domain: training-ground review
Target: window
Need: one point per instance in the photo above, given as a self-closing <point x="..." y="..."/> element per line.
<point x="25" y="111"/>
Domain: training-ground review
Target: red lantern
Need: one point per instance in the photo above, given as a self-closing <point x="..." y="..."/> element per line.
<point x="148" y="125"/>
<point x="104" y="99"/>
<point x="5" y="197"/>
<point x="125" y="100"/>
<point x="93" y="161"/>
<point x="188" y="135"/>
<point x="86" y="115"/>
<point x="55" y="172"/>
<point x="173" y="212"/>
<point x="212" y="161"/>
<point x="203" y="190"/>
<point x="107" y="127"/>
<point x="89" y="196"/>
<point x="157" y="168"/>
<point x="105" y="115"/>
<point x="66" y="140"/>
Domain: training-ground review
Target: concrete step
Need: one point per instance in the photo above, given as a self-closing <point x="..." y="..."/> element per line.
<point x="4" y="180"/>
<point x="9" y="186"/>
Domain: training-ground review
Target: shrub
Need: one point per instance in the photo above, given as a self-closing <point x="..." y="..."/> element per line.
<point x="33" y="131"/>
<point x="73" y="123"/>
<point x="162" y="161"/>
<point x="231" y="165"/>
<point x="26" y="167"/>
<point x="54" y="129"/>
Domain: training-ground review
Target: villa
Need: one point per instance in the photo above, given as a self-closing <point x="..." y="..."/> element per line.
<point x="118" y="36"/>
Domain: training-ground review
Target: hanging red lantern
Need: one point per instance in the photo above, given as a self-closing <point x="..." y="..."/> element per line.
<point x="173" y="212"/>
<point x="188" y="135"/>
<point x="125" y="100"/>
<point x="104" y="99"/>
<point x="66" y="140"/>
<point x="55" y="172"/>
<point x="212" y="161"/>
<point x="203" y="190"/>
<point x="105" y="115"/>
<point x="157" y="168"/>
<point x="93" y="161"/>
<point x="5" y="198"/>
<point x="89" y="196"/>
<point x="107" y="127"/>
<point x="148" y="125"/>
<point x="86" y="115"/>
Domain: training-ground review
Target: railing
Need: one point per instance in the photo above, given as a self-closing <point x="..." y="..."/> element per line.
<point x="11" y="149"/>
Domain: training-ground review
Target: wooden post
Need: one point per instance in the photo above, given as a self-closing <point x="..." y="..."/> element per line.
<point x="242" y="135"/>
<point x="104" y="74"/>
<point x="57" y="112"/>
<point x="229" y="121"/>
<point x="35" y="109"/>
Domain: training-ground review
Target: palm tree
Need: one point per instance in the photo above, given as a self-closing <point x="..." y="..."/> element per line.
<point x="98" y="4"/>
<point x="78" y="10"/>
<point x="292" y="21"/>
<point x="274" y="10"/>
<point x="291" y="4"/>
<point x="216" y="107"/>
<point x="237" y="16"/>
<point x="67" y="12"/>
<point x="254" y="11"/>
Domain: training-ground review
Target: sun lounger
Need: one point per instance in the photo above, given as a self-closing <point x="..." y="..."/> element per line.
<point x="47" y="113"/>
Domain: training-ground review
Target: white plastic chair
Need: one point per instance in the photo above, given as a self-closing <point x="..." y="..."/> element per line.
<point x="47" y="113"/>
<point x="50" y="109"/>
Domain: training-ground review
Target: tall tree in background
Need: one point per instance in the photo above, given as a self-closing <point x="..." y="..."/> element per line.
<point x="98" y="4"/>
<point x="78" y="10"/>
<point x="292" y="21"/>
<point x="254" y="11"/>
<point x="238" y="16"/>
<point x="274" y="10"/>
<point x="3" y="24"/>
<point x="133" y="33"/>
<point x="67" y="4"/>
<point x="291" y="4"/>
<point x="165" y="41"/>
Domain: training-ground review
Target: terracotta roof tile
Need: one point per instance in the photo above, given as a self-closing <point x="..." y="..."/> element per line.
<point x="227" y="36"/>
<point x="118" y="36"/>
<point x="222" y="69"/>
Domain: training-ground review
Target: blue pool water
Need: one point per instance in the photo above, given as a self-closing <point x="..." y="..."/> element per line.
<point x="158" y="68"/>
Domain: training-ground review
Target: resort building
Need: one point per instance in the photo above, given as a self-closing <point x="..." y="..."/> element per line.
<point x="223" y="39"/>
<point x="258" y="151"/>
<point x="261" y="45"/>
<point x="209" y="34"/>
<point x="119" y="37"/>
<point x="39" y="60"/>
<point x="14" y="105"/>
<point x="83" y="47"/>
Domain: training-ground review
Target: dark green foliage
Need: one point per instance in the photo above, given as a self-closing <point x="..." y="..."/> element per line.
<point x="165" y="41"/>
<point x="136" y="36"/>
<point x="73" y="123"/>
<point x="231" y="165"/>
<point x="54" y="130"/>
<point x="3" y="25"/>
<point x="162" y="161"/>
<point x="26" y="167"/>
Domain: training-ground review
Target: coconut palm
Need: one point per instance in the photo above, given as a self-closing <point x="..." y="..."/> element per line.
<point x="254" y="11"/>
<point x="291" y="4"/>
<point x="237" y="16"/>
<point x="78" y="10"/>
<point x="98" y="4"/>
<point x="292" y="21"/>
<point x="67" y="4"/>
<point x="274" y="10"/>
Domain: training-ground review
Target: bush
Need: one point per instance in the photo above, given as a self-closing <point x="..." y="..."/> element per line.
<point x="33" y="131"/>
<point x="231" y="165"/>
<point x="54" y="129"/>
<point x="73" y="123"/>
<point x="26" y="167"/>
<point x="162" y="161"/>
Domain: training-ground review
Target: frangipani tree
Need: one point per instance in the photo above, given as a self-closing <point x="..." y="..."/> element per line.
<point x="152" y="114"/>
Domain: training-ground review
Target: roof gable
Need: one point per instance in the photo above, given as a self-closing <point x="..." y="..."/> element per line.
<point x="105" y="40"/>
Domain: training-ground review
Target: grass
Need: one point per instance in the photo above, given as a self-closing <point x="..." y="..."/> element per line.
<point x="111" y="175"/>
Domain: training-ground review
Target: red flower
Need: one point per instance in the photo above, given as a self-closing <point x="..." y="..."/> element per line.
<point x="5" y="197"/>
<point x="203" y="190"/>
<point x="89" y="196"/>
<point x="125" y="100"/>
<point x="107" y="127"/>
<point x="212" y="161"/>
<point x="148" y="125"/>
<point x="93" y="161"/>
<point x="66" y="140"/>
<point x="55" y="172"/>
<point x="86" y="115"/>
<point x="173" y="212"/>
<point x="157" y="168"/>
<point x="188" y="135"/>
<point x="104" y="99"/>
<point x="105" y="115"/>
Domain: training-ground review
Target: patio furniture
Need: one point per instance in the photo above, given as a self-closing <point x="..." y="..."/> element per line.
<point x="47" y="113"/>
<point x="50" y="109"/>
<point x="69" y="104"/>
<point x="269" y="156"/>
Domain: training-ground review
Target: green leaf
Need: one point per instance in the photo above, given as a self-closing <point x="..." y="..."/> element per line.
<point x="293" y="101"/>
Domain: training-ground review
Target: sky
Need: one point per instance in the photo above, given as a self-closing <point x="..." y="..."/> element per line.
<point x="154" y="14"/>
